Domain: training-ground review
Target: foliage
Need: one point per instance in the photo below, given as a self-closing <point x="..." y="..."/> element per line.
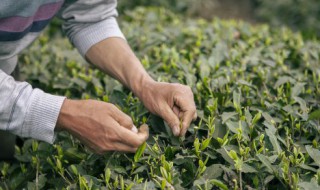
<point x="298" y="14"/>
<point x="175" y="5"/>
<point x="257" y="92"/>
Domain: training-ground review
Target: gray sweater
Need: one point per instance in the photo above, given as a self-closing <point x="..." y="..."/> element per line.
<point x="28" y="111"/>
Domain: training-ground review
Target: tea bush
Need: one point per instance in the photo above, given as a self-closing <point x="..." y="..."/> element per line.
<point x="257" y="91"/>
<point x="298" y="14"/>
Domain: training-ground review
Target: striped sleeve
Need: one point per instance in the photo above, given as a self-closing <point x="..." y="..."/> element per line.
<point x="25" y="111"/>
<point x="28" y="112"/>
<point x="88" y="22"/>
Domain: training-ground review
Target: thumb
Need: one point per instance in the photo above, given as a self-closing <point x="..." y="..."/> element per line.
<point x="143" y="133"/>
<point x="171" y="118"/>
<point x="144" y="129"/>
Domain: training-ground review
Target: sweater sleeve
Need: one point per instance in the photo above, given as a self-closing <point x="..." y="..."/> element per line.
<point x="88" y="22"/>
<point x="27" y="112"/>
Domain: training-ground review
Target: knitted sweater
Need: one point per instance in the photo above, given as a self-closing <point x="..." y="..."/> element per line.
<point x="27" y="111"/>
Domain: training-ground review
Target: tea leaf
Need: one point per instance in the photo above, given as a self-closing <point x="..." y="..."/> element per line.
<point x="248" y="169"/>
<point x="266" y="163"/>
<point x="314" y="154"/>
<point x="314" y="115"/>
<point x="274" y="141"/>
<point x="227" y="115"/>
<point x="139" y="152"/>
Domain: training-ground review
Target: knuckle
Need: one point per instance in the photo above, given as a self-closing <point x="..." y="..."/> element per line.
<point x="113" y="107"/>
<point x="162" y="110"/>
<point x="128" y="120"/>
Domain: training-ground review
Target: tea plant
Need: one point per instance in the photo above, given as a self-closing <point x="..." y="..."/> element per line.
<point x="257" y="91"/>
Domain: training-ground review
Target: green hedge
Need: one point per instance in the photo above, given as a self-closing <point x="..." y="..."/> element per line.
<point x="298" y="14"/>
<point x="257" y="91"/>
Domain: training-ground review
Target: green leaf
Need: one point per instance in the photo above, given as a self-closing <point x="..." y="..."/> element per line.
<point x="212" y="172"/>
<point x="314" y="154"/>
<point x="248" y="169"/>
<point x="140" y="169"/>
<point x="265" y="161"/>
<point x="228" y="115"/>
<point x="74" y="154"/>
<point x="139" y="152"/>
<point x="268" y="118"/>
<point x="309" y="185"/>
<point x="306" y="167"/>
<point x="225" y="155"/>
<point x="302" y="103"/>
<point x="248" y="116"/>
<point x="283" y="80"/>
<point x="42" y="181"/>
<point x="296" y="90"/>
<point x="219" y="184"/>
<point x="237" y="100"/>
<point x="314" y="115"/>
<point x="274" y="141"/>
<point x="205" y="143"/>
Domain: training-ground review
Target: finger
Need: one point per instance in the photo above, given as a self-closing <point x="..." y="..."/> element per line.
<point x="186" y="120"/>
<point x="195" y="116"/>
<point x="123" y="119"/>
<point x="171" y="118"/>
<point x="134" y="139"/>
<point x="176" y="111"/>
<point x="188" y="108"/>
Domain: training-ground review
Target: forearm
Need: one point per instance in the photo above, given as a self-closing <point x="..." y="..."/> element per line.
<point x="115" y="57"/>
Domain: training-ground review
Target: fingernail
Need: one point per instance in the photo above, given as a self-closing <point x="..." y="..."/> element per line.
<point x="134" y="129"/>
<point x="176" y="130"/>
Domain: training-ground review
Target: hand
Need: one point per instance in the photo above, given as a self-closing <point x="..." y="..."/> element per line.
<point x="101" y="126"/>
<point x="173" y="102"/>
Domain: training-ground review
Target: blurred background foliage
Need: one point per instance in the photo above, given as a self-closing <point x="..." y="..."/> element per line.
<point x="300" y="15"/>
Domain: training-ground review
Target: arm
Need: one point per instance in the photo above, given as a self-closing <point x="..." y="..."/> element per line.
<point x="92" y="28"/>
<point x="173" y="102"/>
<point x="100" y="126"/>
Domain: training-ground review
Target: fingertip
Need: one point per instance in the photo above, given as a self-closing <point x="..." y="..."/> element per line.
<point x="144" y="130"/>
<point x="176" y="130"/>
<point x="195" y="116"/>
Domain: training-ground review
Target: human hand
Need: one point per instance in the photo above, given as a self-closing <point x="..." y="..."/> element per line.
<point x="101" y="126"/>
<point x="172" y="102"/>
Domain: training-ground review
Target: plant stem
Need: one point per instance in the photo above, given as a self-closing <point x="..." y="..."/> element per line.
<point x="240" y="179"/>
<point x="37" y="175"/>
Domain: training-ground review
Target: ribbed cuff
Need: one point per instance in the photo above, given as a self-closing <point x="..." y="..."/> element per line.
<point x="87" y="37"/>
<point x="42" y="116"/>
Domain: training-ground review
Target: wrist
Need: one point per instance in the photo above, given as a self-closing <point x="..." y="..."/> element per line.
<point x="65" y="116"/>
<point x="141" y="85"/>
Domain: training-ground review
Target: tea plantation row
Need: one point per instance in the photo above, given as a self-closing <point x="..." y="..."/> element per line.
<point x="257" y="91"/>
